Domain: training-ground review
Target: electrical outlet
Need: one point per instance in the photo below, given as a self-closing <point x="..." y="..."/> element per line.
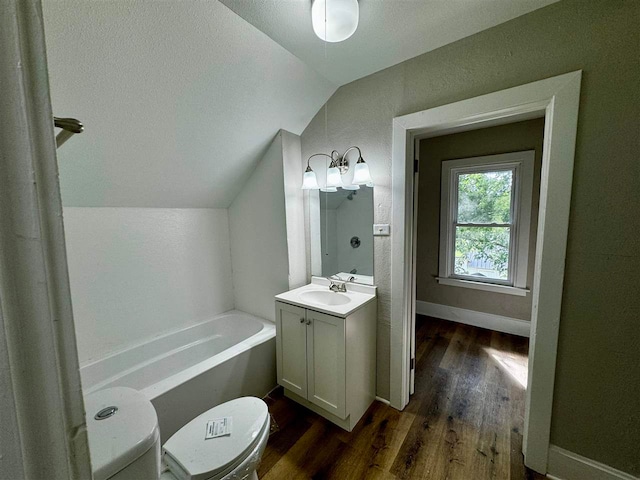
<point x="381" y="230"/>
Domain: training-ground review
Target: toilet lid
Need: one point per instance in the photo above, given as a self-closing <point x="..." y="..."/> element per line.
<point x="202" y="459"/>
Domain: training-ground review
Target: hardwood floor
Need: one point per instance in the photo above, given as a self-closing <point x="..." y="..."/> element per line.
<point x="463" y="423"/>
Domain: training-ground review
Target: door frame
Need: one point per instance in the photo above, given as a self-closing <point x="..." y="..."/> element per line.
<point x="557" y="100"/>
<point x="43" y="425"/>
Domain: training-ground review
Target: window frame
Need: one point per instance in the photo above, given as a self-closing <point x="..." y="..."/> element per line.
<point x="522" y="165"/>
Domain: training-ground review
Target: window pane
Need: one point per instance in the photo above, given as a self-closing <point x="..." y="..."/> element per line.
<point x="482" y="252"/>
<point x="485" y="197"/>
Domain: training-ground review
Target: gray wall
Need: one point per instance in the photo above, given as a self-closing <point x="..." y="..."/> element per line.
<point x="433" y="151"/>
<point x="596" y="405"/>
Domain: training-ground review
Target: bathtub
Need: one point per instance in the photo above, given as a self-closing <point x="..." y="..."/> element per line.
<point x="189" y="371"/>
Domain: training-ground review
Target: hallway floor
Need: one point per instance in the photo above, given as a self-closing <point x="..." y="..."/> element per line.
<point x="463" y="423"/>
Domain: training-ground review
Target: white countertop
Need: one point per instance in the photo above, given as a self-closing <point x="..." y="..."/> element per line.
<point x="358" y="294"/>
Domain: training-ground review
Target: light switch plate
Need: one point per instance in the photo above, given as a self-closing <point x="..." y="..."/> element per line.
<point x="381" y="230"/>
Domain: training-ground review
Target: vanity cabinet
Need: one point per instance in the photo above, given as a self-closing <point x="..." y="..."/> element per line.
<point x="327" y="362"/>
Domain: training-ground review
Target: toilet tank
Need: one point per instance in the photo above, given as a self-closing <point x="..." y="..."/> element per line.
<point x="124" y="438"/>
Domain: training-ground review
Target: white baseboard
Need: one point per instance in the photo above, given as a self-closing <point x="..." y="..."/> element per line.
<point x="566" y="465"/>
<point x="477" y="319"/>
<point x="383" y="400"/>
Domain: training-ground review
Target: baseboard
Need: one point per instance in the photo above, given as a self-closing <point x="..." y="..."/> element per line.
<point x="383" y="400"/>
<point x="498" y="323"/>
<point x="566" y="465"/>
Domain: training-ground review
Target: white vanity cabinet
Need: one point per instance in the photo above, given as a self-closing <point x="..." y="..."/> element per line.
<point x="328" y="362"/>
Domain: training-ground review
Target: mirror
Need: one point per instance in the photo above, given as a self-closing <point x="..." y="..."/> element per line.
<point x="342" y="234"/>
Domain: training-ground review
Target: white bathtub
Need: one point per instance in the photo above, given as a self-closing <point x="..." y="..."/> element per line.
<point x="186" y="372"/>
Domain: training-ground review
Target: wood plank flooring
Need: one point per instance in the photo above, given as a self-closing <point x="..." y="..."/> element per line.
<point x="464" y="421"/>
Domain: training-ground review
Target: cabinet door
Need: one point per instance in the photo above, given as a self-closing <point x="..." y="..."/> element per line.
<point x="291" y="348"/>
<point x="326" y="362"/>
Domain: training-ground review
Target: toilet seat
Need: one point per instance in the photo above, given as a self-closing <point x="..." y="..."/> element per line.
<point x="190" y="456"/>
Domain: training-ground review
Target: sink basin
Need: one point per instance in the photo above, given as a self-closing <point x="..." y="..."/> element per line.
<point x="320" y="297"/>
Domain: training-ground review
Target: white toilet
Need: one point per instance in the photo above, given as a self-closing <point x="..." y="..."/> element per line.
<point x="124" y="439"/>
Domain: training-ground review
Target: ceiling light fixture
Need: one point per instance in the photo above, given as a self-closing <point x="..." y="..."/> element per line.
<point x="334" y="20"/>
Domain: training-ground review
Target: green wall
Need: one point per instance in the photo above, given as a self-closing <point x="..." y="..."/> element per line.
<point x="514" y="137"/>
<point x="596" y="403"/>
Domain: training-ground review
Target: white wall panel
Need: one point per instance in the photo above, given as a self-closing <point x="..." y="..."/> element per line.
<point x="138" y="272"/>
<point x="259" y="237"/>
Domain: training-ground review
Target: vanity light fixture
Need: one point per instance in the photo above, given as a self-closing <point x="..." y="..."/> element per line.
<point x="334" y="20"/>
<point x="339" y="166"/>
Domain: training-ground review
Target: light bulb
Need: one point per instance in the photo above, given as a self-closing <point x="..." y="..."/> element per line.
<point x="329" y="189"/>
<point x="309" y="180"/>
<point x="351" y="187"/>
<point x="341" y="19"/>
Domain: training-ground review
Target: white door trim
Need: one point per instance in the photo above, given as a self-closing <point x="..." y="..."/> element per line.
<point x="557" y="99"/>
<point x="43" y="432"/>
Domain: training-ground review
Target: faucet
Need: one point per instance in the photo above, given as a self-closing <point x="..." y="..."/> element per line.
<point x="337" y="286"/>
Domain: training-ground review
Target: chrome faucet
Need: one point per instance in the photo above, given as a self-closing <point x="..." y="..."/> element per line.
<point x="338" y="286"/>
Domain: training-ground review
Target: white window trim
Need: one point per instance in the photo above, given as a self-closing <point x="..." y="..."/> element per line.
<point x="522" y="165"/>
<point x="487" y="287"/>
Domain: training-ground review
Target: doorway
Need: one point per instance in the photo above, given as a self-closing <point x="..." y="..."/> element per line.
<point x="557" y="99"/>
<point x="476" y="217"/>
<point x="476" y="210"/>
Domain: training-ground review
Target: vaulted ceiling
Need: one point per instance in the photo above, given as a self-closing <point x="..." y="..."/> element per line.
<point x="389" y="31"/>
<point x="180" y="99"/>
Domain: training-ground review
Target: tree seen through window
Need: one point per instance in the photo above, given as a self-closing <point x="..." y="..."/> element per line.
<point x="483" y="227"/>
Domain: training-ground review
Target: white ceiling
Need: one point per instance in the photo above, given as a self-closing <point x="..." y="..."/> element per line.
<point x="389" y="31"/>
<point x="179" y="100"/>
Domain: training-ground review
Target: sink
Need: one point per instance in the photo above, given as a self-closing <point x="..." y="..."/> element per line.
<point x="320" y="297"/>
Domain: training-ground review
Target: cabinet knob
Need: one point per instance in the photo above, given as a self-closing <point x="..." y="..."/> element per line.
<point x="302" y="320"/>
<point x="308" y="322"/>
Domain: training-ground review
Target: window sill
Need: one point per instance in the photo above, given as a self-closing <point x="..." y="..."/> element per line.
<point x="489" y="287"/>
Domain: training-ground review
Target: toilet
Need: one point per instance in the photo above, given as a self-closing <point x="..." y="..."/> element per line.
<point x="124" y="440"/>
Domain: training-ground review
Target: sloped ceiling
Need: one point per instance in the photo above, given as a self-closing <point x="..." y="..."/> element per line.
<point x="179" y="100"/>
<point x="389" y="31"/>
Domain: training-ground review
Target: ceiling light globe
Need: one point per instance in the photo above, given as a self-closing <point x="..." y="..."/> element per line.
<point x="341" y="19"/>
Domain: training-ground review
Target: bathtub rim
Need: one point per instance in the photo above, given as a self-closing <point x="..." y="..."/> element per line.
<point x="266" y="332"/>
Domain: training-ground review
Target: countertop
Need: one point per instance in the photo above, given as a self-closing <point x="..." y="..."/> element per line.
<point x="360" y="295"/>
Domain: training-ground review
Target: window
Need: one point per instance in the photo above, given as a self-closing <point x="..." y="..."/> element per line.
<point x="485" y="221"/>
